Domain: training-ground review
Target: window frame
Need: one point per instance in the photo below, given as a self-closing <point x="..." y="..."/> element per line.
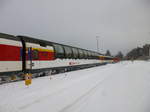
<point x="58" y="54"/>
<point x="68" y="54"/>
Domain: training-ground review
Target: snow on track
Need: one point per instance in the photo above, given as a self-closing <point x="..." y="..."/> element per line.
<point x="121" y="87"/>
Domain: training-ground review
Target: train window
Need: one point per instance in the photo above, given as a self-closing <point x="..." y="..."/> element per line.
<point x="59" y="51"/>
<point x="35" y="54"/>
<point x="81" y="54"/>
<point x="85" y="54"/>
<point x="108" y="58"/>
<point x="89" y="55"/>
<point x="93" y="55"/>
<point x="105" y="58"/>
<point x="75" y="53"/>
<point x="68" y="52"/>
<point x="42" y="44"/>
<point x="96" y="56"/>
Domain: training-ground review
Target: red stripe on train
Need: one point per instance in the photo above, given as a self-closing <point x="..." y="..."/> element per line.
<point x="41" y="56"/>
<point x="13" y="53"/>
<point x="46" y="56"/>
<point x="10" y="53"/>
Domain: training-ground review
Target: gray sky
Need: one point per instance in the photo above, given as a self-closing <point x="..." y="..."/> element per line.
<point x="120" y="24"/>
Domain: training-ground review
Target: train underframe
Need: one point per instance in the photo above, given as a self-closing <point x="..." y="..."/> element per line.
<point x="14" y="76"/>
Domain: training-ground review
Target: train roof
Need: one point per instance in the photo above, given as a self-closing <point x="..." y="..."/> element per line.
<point x="7" y="36"/>
<point x="40" y="41"/>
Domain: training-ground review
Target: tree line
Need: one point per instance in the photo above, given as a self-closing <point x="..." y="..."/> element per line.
<point x="118" y="55"/>
<point x="142" y="53"/>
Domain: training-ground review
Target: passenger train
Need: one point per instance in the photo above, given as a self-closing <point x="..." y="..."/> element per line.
<point x="22" y="54"/>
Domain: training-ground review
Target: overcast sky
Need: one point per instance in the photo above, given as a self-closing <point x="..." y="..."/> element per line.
<point x="120" y="24"/>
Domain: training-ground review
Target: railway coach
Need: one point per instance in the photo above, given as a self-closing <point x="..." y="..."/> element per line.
<point x="22" y="54"/>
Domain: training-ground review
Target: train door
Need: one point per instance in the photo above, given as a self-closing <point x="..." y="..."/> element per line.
<point x="29" y="63"/>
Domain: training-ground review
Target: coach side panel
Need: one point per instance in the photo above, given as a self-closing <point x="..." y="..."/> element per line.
<point x="38" y="57"/>
<point x="10" y="55"/>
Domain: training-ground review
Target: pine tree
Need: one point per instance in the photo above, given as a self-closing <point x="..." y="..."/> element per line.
<point x="119" y="55"/>
<point x="108" y="53"/>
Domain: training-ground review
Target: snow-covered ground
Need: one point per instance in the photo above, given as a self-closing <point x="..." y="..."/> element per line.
<point x="121" y="87"/>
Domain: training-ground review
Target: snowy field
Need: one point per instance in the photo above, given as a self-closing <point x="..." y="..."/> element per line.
<point x="121" y="87"/>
